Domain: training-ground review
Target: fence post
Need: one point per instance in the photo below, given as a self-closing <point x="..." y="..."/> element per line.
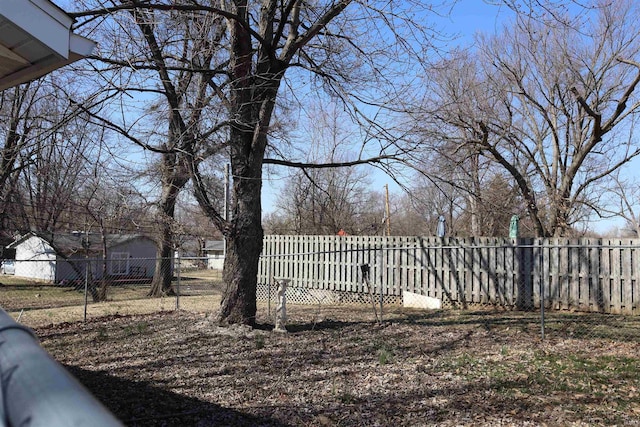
<point x="542" y="284"/>
<point x="178" y="265"/>
<point x="381" y="263"/>
<point x="86" y="287"/>
<point x="269" y="279"/>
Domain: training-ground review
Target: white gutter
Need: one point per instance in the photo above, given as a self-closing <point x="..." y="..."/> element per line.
<point x="36" y="39"/>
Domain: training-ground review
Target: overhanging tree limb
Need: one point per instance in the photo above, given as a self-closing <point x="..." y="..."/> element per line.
<point x="306" y="165"/>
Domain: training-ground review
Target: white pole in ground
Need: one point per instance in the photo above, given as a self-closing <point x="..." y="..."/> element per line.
<point x="281" y="308"/>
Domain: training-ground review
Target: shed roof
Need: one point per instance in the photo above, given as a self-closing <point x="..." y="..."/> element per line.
<point x="70" y="243"/>
<point x="36" y="38"/>
<point x="214" y="245"/>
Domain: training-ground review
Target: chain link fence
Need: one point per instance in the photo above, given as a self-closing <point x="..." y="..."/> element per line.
<point x="38" y="291"/>
<point x="559" y="287"/>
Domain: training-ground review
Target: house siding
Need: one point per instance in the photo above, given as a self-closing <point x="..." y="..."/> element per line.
<point x="215" y="261"/>
<point x="214" y="250"/>
<point x="74" y="267"/>
<point x="142" y="260"/>
<point x="36" y="259"/>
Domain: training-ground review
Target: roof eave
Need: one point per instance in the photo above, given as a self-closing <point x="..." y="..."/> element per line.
<point x="48" y="28"/>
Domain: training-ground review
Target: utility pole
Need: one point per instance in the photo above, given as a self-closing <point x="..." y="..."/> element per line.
<point x="388" y="216"/>
<point x="227" y="185"/>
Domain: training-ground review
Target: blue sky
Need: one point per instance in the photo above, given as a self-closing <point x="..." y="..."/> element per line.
<point x="467" y="17"/>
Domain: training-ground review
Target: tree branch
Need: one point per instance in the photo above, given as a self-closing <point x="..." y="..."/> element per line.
<point x="305" y="165"/>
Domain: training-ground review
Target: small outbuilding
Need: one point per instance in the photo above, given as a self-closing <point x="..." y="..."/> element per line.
<point x="214" y="250"/>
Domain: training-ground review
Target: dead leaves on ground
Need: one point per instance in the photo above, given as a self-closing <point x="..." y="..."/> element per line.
<point x="416" y="369"/>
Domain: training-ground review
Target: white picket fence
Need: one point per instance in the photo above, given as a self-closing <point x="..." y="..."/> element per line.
<point x="568" y="274"/>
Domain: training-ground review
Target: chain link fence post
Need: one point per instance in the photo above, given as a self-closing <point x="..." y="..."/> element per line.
<point x="542" y="293"/>
<point x="178" y="267"/>
<point x="381" y="276"/>
<point x="86" y="289"/>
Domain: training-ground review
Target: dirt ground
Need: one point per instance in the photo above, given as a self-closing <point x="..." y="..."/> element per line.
<point x="337" y="367"/>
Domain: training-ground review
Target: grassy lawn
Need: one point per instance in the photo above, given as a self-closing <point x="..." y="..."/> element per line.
<point x="19" y="294"/>
<point x="38" y="303"/>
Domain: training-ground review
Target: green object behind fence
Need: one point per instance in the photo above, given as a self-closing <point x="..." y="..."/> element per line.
<point x="514" y="227"/>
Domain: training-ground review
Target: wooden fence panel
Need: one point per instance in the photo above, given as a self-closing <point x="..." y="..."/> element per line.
<point x="436" y="265"/>
<point x="526" y="273"/>
<point x="595" y="281"/>
<point x="477" y="273"/>
<point x="605" y="274"/>
<point x="574" y="264"/>
<point x="493" y="271"/>
<point x="509" y="273"/>
<point x="457" y="271"/>
<point x="564" y="278"/>
<point x="634" y="282"/>
<point x="429" y="267"/>
<point x="488" y="272"/>
<point x="551" y="273"/>
<point x="596" y="292"/>
<point x="626" y="289"/>
<point x="616" y="297"/>
<point x="581" y="274"/>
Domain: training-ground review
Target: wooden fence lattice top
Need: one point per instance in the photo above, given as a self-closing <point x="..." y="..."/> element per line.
<point x="568" y="274"/>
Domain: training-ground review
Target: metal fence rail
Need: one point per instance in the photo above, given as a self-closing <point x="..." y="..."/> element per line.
<point x="36" y="391"/>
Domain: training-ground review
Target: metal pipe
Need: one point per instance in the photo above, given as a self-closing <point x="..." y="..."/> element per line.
<point x="179" y="265"/>
<point x="37" y="391"/>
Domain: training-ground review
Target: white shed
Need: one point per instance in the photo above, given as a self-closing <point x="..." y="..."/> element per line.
<point x="37" y="258"/>
<point x="214" y="250"/>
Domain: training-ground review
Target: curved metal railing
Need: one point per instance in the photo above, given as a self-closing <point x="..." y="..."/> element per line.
<point x="35" y="390"/>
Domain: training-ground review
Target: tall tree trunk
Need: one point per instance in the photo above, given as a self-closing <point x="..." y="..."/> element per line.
<point x="104" y="273"/>
<point x="474" y="198"/>
<point x="244" y="234"/>
<point x="244" y="246"/>
<point x="163" y="274"/>
<point x="252" y="100"/>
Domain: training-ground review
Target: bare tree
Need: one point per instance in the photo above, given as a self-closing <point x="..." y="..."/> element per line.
<point x="325" y="44"/>
<point x="15" y="109"/>
<point x="622" y="199"/>
<point x="268" y="40"/>
<point x="46" y="147"/>
<point x="413" y="214"/>
<point x="53" y="174"/>
<point x="194" y="227"/>
<point x="546" y="103"/>
<point x="105" y="206"/>
<point x="159" y="68"/>
<point x="325" y="201"/>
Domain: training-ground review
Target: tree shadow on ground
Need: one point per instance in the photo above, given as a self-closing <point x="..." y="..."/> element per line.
<point x="434" y="318"/>
<point x="150" y="405"/>
<point x="323" y="325"/>
<point x="558" y="324"/>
